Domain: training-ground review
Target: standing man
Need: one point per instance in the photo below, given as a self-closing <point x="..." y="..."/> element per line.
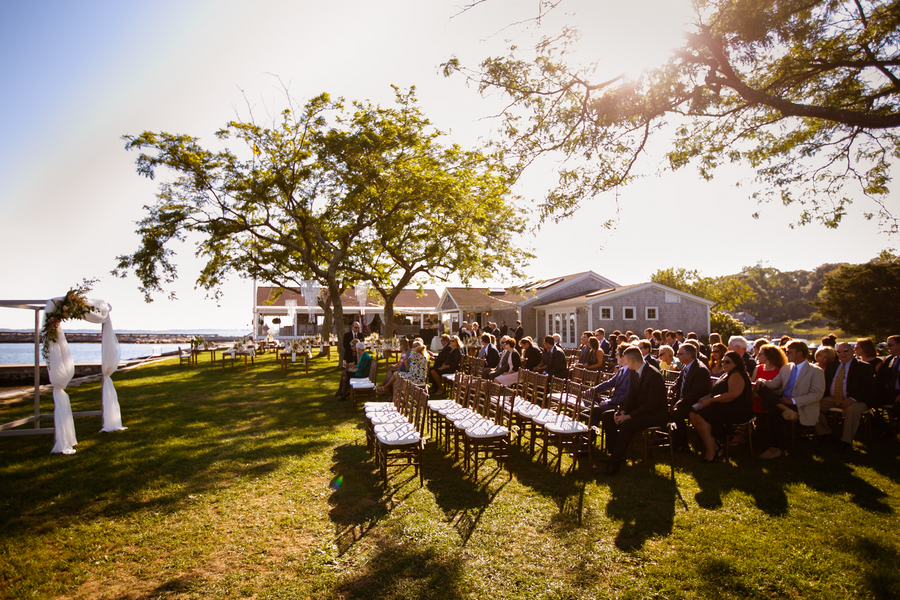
<point x="519" y="332"/>
<point x="503" y="329"/>
<point x="646" y="407"/>
<point x="850" y="387"/>
<point x="350" y="339"/>
<point x="692" y="384"/>
<point x="887" y="380"/>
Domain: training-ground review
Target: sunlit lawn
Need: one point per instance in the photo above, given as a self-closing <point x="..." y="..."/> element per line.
<point x="254" y="485"/>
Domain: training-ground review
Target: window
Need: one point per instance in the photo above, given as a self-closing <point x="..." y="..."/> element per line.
<point x="651" y="313"/>
<point x="563" y="323"/>
<point x="670" y="297"/>
<point x="606" y="313"/>
<point x="628" y="313"/>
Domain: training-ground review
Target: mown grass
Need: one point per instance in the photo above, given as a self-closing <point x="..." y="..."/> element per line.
<point x="253" y="485"/>
<point x="800" y="329"/>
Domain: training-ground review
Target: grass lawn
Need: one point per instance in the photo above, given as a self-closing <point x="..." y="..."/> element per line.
<point x="255" y="485"/>
<point x="813" y="334"/>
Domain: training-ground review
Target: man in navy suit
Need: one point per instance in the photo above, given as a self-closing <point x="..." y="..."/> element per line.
<point x="887" y="380"/>
<point x="851" y="384"/>
<point x="646" y="407"/>
<point x="692" y="384"/>
<point x="645" y="347"/>
<point x="519" y="332"/>
<point x="554" y="359"/>
<point x="489" y="352"/>
<point x="600" y="334"/>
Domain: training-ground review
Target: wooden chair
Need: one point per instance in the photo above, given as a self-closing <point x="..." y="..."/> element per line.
<point x="491" y="435"/>
<point x="185" y="357"/>
<point x="403" y="447"/>
<point x="659" y="437"/>
<point x="745" y="429"/>
<point x="364" y="387"/>
<point x="567" y="428"/>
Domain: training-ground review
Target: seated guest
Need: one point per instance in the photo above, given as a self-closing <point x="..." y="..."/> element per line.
<point x="692" y="384"/>
<point x="785" y="340"/>
<point x="671" y="341"/>
<point x="771" y="359"/>
<point x="441" y="357"/>
<point x="887" y="382"/>
<point x="464" y="332"/>
<point x="757" y="345"/>
<point x="793" y="394"/>
<point x="531" y="356"/>
<point x="489" y="352"/>
<point x="621" y="339"/>
<point x="358" y="371"/>
<point x="644" y="346"/>
<point x="594" y="359"/>
<point x="417" y="372"/>
<point x="657" y="340"/>
<point x="829" y="340"/>
<point x="728" y="403"/>
<point x="850" y="386"/>
<point x="667" y="360"/>
<point x="866" y="352"/>
<point x="604" y="409"/>
<point x="600" y="334"/>
<point x="648" y="335"/>
<point x="645" y="407"/>
<point x="400" y="366"/>
<point x="553" y="359"/>
<point x="450" y="366"/>
<point x="739" y="344"/>
<point x="585" y="347"/>
<point x="716" y="355"/>
<point x="507" y="372"/>
<point x="826" y="358"/>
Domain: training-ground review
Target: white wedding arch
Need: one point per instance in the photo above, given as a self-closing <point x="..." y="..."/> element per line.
<point x="61" y="369"/>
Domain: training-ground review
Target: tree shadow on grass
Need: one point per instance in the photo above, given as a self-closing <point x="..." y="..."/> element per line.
<point x="565" y="488"/>
<point x="357" y="500"/>
<point x="407" y="570"/>
<point x="877" y="564"/>
<point x="644" y="501"/>
<point x="722" y="578"/>
<point x="767" y="481"/>
<point x="462" y="499"/>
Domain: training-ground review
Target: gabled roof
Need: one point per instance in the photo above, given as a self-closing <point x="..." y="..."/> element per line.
<point x="481" y="298"/>
<point x="539" y="286"/>
<point x="609" y="294"/>
<point x="407" y="298"/>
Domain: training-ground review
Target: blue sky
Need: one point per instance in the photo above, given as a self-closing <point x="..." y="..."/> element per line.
<point x="77" y="76"/>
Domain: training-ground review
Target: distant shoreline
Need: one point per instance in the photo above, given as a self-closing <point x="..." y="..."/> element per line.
<point x="21" y="337"/>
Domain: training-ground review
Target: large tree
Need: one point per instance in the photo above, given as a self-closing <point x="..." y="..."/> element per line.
<point x="806" y="92"/>
<point x="309" y="197"/>
<point x="863" y="299"/>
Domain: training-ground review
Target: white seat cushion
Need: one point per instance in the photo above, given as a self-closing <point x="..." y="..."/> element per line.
<point x="487" y="430"/>
<point x="468" y="422"/>
<point x="399" y="438"/>
<point x="382" y="418"/>
<point x="367" y="385"/>
<point x="439" y="404"/>
<point x="396" y="427"/>
<point x="545" y="416"/>
<point x="566" y="426"/>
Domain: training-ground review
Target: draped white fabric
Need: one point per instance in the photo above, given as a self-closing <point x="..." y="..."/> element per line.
<point x="112" y="415"/>
<point x="61" y="368"/>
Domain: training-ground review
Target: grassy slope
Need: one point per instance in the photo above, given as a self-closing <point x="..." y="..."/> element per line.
<point x="255" y="485"/>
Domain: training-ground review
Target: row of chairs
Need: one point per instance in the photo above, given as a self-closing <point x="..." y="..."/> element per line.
<point x="394" y="430"/>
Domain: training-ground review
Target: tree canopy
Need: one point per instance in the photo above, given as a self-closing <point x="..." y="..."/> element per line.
<point x="728" y="292"/>
<point x="863" y="299"/>
<point x="806" y="92"/>
<point x="326" y="192"/>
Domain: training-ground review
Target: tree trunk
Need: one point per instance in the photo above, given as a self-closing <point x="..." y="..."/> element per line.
<point x="389" y="316"/>
<point x="327" y="318"/>
<point x="339" y="321"/>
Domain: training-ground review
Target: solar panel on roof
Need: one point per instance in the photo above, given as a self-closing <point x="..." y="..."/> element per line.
<point x="547" y="284"/>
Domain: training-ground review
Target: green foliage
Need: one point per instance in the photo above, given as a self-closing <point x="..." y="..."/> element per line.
<point x="725" y="325"/>
<point x="805" y="92"/>
<point x="863" y="300"/>
<point x="329" y="192"/>
<point x="727" y="292"/>
<point x="782" y="295"/>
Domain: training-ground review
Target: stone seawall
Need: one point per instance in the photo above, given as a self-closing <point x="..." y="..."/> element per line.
<point x="21" y="337"/>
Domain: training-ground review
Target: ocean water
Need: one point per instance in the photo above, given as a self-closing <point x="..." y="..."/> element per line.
<point x="23" y="354"/>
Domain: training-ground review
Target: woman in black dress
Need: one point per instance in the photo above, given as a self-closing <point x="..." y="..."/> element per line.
<point x="729" y="402"/>
<point x="531" y="356"/>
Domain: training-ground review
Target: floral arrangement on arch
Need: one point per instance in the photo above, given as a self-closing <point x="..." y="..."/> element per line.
<point x="73" y="306"/>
